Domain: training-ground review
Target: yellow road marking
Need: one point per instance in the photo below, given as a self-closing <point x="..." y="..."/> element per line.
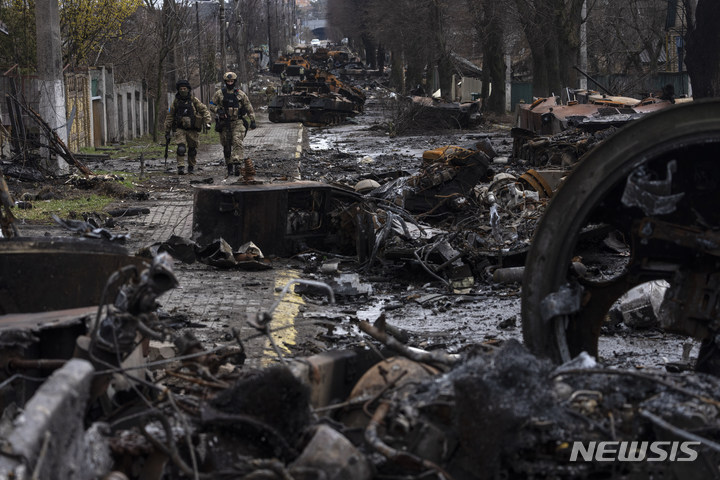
<point x="284" y="316"/>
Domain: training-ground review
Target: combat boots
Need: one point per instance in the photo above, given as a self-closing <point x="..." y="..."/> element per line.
<point x="237" y="169"/>
<point x="191" y="168"/>
<point x="181" y="170"/>
<point x="229" y="169"/>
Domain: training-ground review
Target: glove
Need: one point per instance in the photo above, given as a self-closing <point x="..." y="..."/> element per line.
<point x="167" y="136"/>
<point x="221" y="113"/>
<point x="253" y="125"/>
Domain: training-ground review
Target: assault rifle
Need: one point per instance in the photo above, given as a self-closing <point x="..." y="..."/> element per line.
<point x="221" y="120"/>
<point x="221" y="123"/>
<point x="167" y="144"/>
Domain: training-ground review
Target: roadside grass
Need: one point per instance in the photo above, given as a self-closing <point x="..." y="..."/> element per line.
<point x="42" y="210"/>
<point x="92" y="197"/>
<point x="131" y="149"/>
<point x="127" y="179"/>
<point x="146" y="146"/>
<point x="75" y="203"/>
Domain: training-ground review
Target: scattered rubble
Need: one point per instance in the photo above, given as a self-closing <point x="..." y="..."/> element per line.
<point x="114" y="387"/>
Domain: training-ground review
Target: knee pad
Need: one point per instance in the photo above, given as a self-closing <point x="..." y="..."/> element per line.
<point x="181" y="149"/>
<point x="192" y="151"/>
<point x="227" y="151"/>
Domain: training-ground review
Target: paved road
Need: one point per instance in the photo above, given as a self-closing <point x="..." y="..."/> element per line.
<point x="224" y="299"/>
<point x="216" y="299"/>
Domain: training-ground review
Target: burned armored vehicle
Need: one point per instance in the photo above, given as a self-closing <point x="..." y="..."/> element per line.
<point x="320" y="98"/>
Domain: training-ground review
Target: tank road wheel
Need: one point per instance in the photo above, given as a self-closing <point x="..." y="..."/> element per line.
<point x="655" y="184"/>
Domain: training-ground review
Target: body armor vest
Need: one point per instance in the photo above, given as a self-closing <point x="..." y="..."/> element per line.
<point x="231" y="104"/>
<point x="184" y="113"/>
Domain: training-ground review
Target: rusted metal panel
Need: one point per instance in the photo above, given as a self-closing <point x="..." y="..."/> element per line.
<point x="280" y="218"/>
<point x="43" y="274"/>
<point x="546" y="117"/>
<point x="538" y="183"/>
<point x="45" y="338"/>
<point x="45" y="320"/>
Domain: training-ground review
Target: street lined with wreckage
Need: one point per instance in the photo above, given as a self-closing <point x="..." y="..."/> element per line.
<point x="365" y="321"/>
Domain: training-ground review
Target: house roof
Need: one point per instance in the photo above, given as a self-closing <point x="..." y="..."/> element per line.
<point x="465" y="67"/>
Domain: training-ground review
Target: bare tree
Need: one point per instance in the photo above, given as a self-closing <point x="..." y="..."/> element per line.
<point x="627" y="38"/>
<point x="414" y="34"/>
<point x="18" y="47"/>
<point x="168" y="18"/>
<point x="349" y="19"/>
<point x="489" y="24"/>
<point x="244" y="33"/>
<point x="552" y="30"/>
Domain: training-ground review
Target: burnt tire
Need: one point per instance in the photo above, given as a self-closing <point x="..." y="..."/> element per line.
<point x="595" y="183"/>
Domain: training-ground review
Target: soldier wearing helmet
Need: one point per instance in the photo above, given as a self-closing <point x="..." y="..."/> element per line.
<point x="234" y="115"/>
<point x="186" y="116"/>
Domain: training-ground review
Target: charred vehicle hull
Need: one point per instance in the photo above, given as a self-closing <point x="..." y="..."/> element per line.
<point x="322" y="100"/>
<point x="310" y="109"/>
<point x="656" y="185"/>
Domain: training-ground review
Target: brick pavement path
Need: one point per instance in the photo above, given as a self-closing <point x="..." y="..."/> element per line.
<point x="215" y="300"/>
<point x="223" y="299"/>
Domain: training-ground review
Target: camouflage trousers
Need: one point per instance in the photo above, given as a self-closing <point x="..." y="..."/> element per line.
<point x="232" y="141"/>
<point x="189" y="138"/>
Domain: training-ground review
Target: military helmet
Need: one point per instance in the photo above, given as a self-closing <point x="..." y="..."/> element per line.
<point x="230" y="76"/>
<point x="182" y="83"/>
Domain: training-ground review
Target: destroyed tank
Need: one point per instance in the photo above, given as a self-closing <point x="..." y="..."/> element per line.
<point x="320" y="99"/>
<point x="654" y="187"/>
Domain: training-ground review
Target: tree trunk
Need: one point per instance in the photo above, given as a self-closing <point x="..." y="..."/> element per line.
<point x="551" y="66"/>
<point x="397" y="75"/>
<point x="493" y="60"/>
<point x="159" y="101"/>
<point x="240" y="45"/>
<point x="540" y="82"/>
<point x="569" y="42"/>
<point x="380" y="58"/>
<point x="369" y="48"/>
<point x="703" y="50"/>
<point x="552" y="30"/>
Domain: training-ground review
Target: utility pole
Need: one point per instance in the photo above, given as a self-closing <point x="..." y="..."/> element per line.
<point x="294" y="29"/>
<point x="283" y="23"/>
<point x="276" y="23"/>
<point x="50" y="75"/>
<point x="200" y="55"/>
<point x="583" y="45"/>
<point x="286" y="23"/>
<point x="223" y="55"/>
<point x="240" y="46"/>
<point x="269" y="29"/>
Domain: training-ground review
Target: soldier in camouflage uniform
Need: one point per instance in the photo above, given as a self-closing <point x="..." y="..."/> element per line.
<point x="234" y="115"/>
<point x="186" y="116"/>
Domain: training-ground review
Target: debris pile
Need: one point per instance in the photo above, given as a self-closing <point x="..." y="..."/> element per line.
<point x="201" y="413"/>
<point x="115" y="388"/>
